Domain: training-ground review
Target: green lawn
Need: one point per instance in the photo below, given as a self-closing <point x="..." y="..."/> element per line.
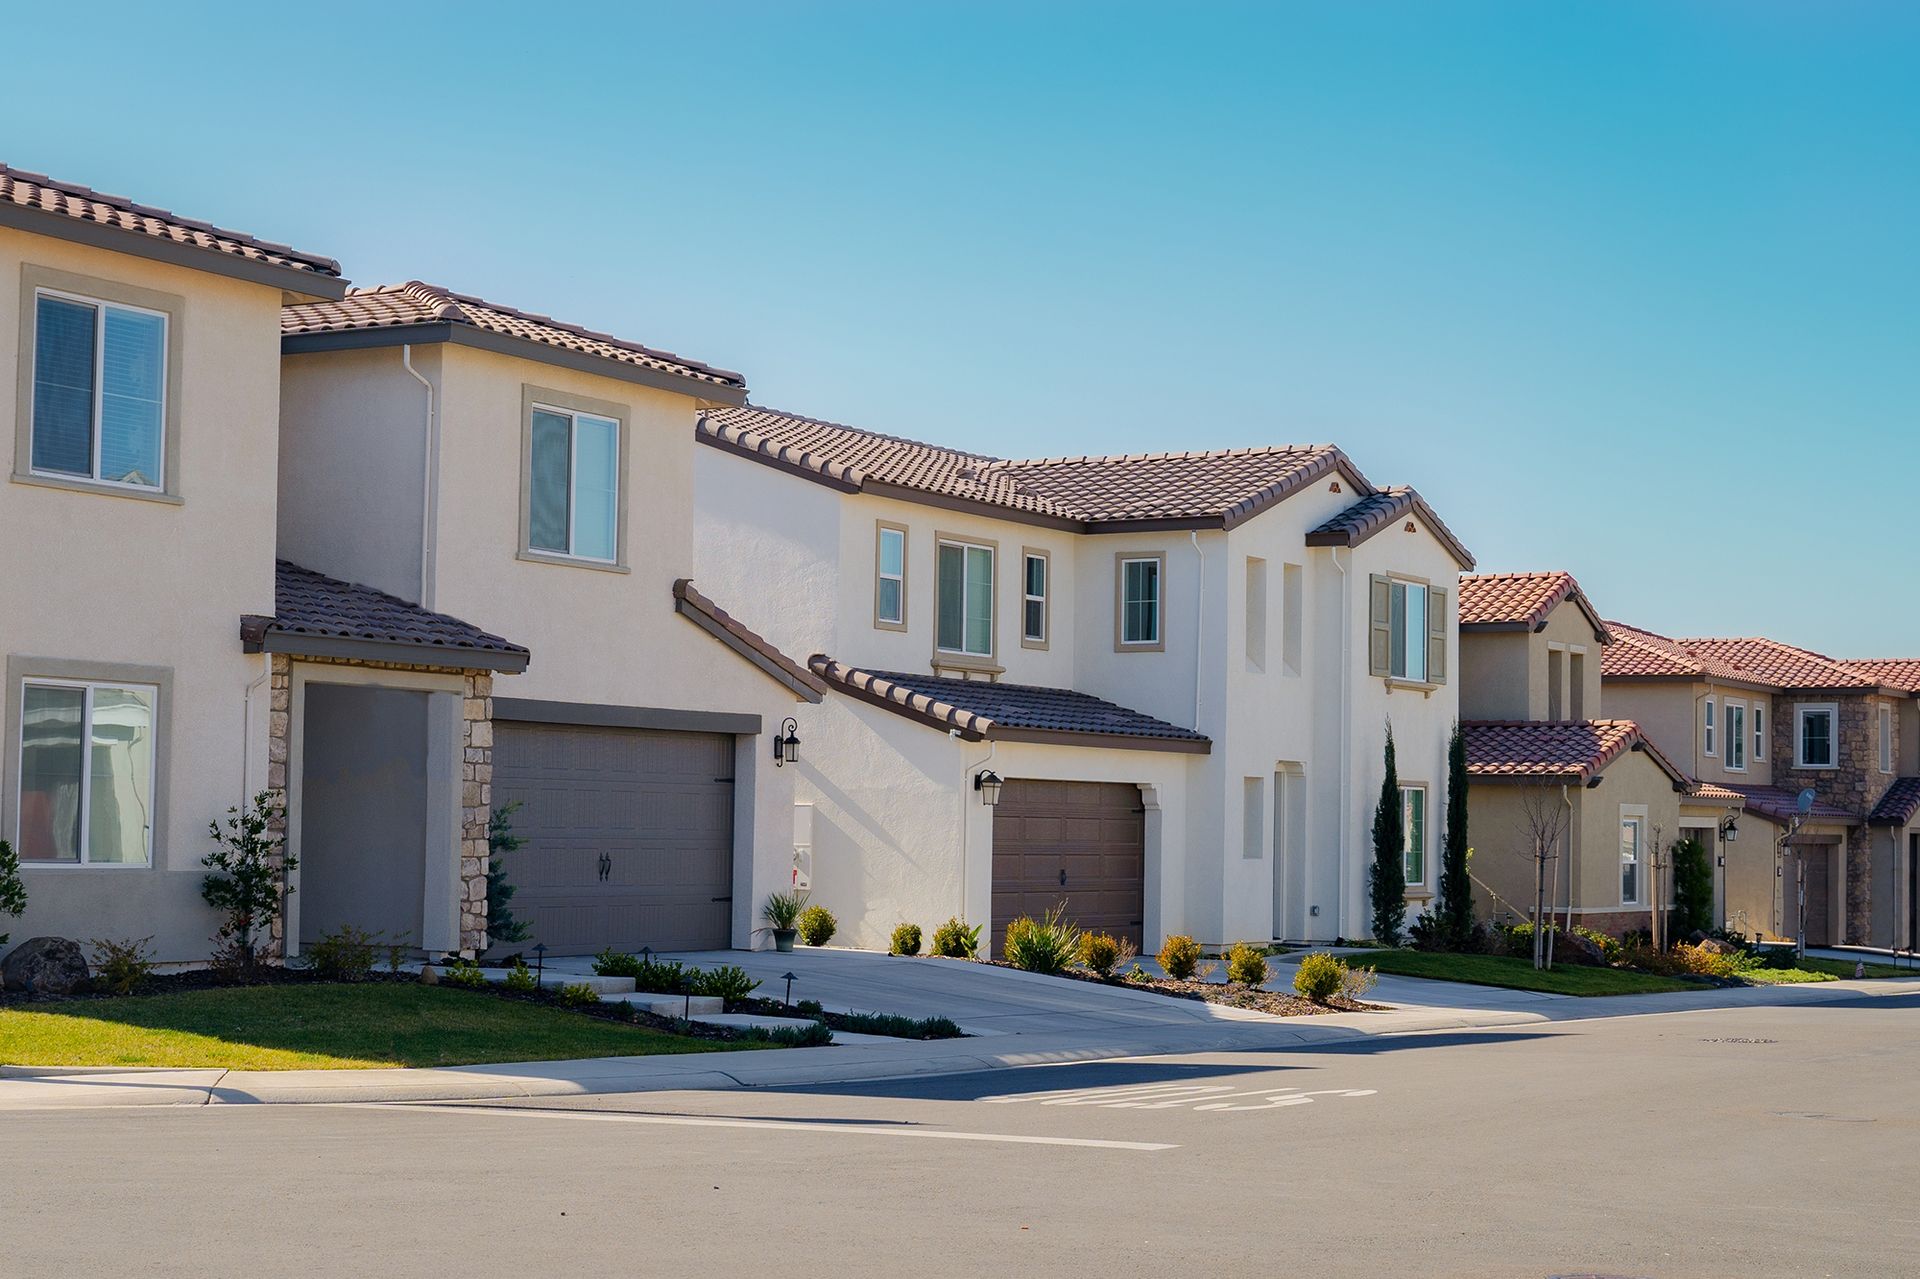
<point x="1844" y="968"/>
<point x="1517" y="974"/>
<point x="324" y="1027"/>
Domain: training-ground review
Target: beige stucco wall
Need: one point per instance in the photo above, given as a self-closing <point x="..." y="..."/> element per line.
<point x="1496" y="677"/>
<point x="119" y="580"/>
<point x="1673" y="714"/>
<point x="1510" y="674"/>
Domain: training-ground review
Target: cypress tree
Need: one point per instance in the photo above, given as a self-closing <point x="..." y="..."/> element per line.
<point x="1388" y="882"/>
<point x="1455" y="907"/>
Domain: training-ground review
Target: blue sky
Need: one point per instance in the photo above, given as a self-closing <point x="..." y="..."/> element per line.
<point x="1627" y="288"/>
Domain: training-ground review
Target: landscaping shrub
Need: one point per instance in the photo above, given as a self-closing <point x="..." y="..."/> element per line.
<point x="906" y="940"/>
<point x="1044" y="945"/>
<point x="1355" y="983"/>
<point x="501" y="925"/>
<point x="659" y="976"/>
<point x="1100" y="953"/>
<point x="1320" y="977"/>
<point x="898" y="1026"/>
<point x="1179" y="956"/>
<point x="729" y="982"/>
<point x="782" y="910"/>
<point x="397" y="952"/>
<point x="812" y="1035"/>
<point x="1247" y="964"/>
<point x="13" y="892"/>
<point x="1138" y="974"/>
<point x="816" y="925"/>
<point x="345" y="954"/>
<point x="121" y="967"/>
<point x="617" y="963"/>
<point x="954" y="940"/>
<point x="1609" y="946"/>
<point x="1692" y="888"/>
<point x="248" y="866"/>
<point x="578" y="995"/>
<point x="808" y="1008"/>
<point x="521" y="980"/>
<point x="1693" y="961"/>
<point x="464" y="972"/>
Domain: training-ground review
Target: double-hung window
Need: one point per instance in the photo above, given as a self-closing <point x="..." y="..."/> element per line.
<point x="965" y="589"/>
<point x="1713" y="730"/>
<point x="1033" y="600"/>
<point x="86" y="759"/>
<point x="1759" y="730"/>
<point x="1139" y="602"/>
<point x="573" y="495"/>
<point x="99" y="391"/>
<point x="1886" y="739"/>
<point x="1737" y="736"/>
<point x="1407" y="643"/>
<point x="1413" y="828"/>
<point x="890" y="577"/>
<point x="1813" y="733"/>
<point x="1630" y="846"/>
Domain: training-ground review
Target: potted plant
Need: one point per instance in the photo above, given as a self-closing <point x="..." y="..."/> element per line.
<point x="781" y="913"/>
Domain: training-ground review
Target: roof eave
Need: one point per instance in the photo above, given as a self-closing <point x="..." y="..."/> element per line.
<point x="804" y="685"/>
<point x="59" y="226"/>
<point x="349" y="648"/>
<point x="1110" y="741"/>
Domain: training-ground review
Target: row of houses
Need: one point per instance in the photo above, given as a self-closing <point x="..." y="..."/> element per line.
<point x="406" y="559"/>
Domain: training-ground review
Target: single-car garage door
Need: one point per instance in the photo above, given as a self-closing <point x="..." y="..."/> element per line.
<point x="629" y="835"/>
<point x="1082" y="843"/>
<point x="1816" y="859"/>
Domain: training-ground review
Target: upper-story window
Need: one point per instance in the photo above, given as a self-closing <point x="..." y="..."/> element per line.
<point x="86" y="755"/>
<point x="99" y="390"/>
<point x="1886" y="739"/>
<point x="1759" y="730"/>
<point x="1138" y="584"/>
<point x="1813" y="733"/>
<point x="1713" y="730"/>
<point x="573" y="489"/>
<point x="1737" y="736"/>
<point x="965" y="588"/>
<point x="890" y="577"/>
<point x="1408" y="630"/>
<point x="1036" y="567"/>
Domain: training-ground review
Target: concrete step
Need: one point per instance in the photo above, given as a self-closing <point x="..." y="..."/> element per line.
<point x="602" y="986"/>
<point x="700" y="1006"/>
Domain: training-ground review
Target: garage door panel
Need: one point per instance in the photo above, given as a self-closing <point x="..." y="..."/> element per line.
<point x="1093" y="831"/>
<point x="654" y="810"/>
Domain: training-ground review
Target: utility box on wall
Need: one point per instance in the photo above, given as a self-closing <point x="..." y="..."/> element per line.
<point x="802" y="880"/>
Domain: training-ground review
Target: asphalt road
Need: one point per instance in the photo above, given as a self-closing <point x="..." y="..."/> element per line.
<point x="1746" y="1142"/>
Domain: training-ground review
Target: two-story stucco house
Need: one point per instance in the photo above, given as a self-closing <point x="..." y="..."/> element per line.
<point x="1155" y="688"/>
<point x="1769" y="720"/>
<point x="1538" y="737"/>
<point x="537" y="478"/>
<point x="139" y="387"/>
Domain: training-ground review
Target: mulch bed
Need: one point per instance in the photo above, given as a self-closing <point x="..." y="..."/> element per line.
<point x="1230" y="994"/>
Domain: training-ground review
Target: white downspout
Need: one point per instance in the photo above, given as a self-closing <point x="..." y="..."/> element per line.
<point x="246" y="729"/>
<point x="1346" y="716"/>
<point x="1199" y="623"/>
<point x="430" y="452"/>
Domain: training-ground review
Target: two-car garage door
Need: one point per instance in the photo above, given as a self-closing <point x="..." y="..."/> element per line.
<point x="1078" y="843"/>
<point x="629" y="835"/>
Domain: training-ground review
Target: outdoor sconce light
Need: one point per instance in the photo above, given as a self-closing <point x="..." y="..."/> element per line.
<point x="987" y="782"/>
<point x="1729" y="830"/>
<point x="786" y="744"/>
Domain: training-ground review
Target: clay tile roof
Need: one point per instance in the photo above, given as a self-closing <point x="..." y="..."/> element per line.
<point x="413" y="303"/>
<point x="322" y="616"/>
<point x="1902" y="673"/>
<point x="722" y="625"/>
<point x="1709" y="790"/>
<point x="1777" y="805"/>
<point x="1523" y="600"/>
<point x="1899" y="805"/>
<point x="26" y="190"/>
<point x="1380" y="511"/>
<point x="1781" y="665"/>
<point x="1008" y="712"/>
<point x="1230" y="484"/>
<point x="1564" y="750"/>
<point x="1640" y="654"/>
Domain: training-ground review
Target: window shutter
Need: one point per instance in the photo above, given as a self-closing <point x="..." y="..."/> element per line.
<point x="1436" y="636"/>
<point x="1380" y="625"/>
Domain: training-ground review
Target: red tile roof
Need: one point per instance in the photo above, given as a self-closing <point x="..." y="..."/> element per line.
<point x="1778" y="806"/>
<point x="1641" y="654"/>
<point x="1781" y="665"/>
<point x="724" y="627"/>
<point x="1228" y="484"/>
<point x="393" y="306"/>
<point x="1008" y="712"/>
<point x="1522" y="600"/>
<point x="1902" y="673"/>
<point x="1564" y="750"/>
<point x="1381" y="511"/>
<point x="1708" y="790"/>
<point x="1899" y="805"/>
<point x="21" y="189"/>
<point x="314" y="614"/>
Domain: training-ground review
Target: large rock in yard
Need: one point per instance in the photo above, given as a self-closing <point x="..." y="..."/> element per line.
<point x="44" y="966"/>
<point x="1714" y="946"/>
<point x="1571" y="948"/>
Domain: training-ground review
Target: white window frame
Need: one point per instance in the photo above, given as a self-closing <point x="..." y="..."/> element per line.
<point x="1712" y="743"/>
<point x="1156" y="640"/>
<point x="1736" y="713"/>
<point x="85" y="848"/>
<point x="1406" y="832"/>
<point x="573" y="417"/>
<point x="1637" y="820"/>
<point x="881" y="575"/>
<point x="1800" y="712"/>
<point x="993" y="558"/>
<point x="1884" y="726"/>
<point x="1044" y="599"/>
<point x="1759" y="731"/>
<point x="100" y="306"/>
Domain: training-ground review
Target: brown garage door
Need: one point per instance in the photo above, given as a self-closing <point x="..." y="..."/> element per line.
<point x="629" y="835"/>
<point x="1815" y="858"/>
<point x="1083" y="843"/>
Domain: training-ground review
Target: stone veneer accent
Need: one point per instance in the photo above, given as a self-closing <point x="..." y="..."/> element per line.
<point x="476" y="783"/>
<point x="1856" y="785"/>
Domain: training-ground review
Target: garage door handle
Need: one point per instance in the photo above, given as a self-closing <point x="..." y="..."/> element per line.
<point x="1063" y="878"/>
<point x="727" y="898"/>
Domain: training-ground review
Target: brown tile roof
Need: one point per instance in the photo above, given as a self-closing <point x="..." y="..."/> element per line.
<point x="1008" y="712"/>
<point x="1563" y="750"/>
<point x="1522" y="600"/>
<point x="722" y="625"/>
<point x="1899" y="805"/>
<point x="1089" y="494"/>
<point x="322" y="616"/>
<point x="1902" y="673"/>
<point x="1778" y="806"/>
<point x="394" y="306"/>
<point x="24" y="190"/>
<point x="1380" y="511"/>
<point x="1781" y="665"/>
<point x="1640" y="654"/>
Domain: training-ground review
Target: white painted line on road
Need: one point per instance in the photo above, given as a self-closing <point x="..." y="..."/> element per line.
<point x="775" y="1125"/>
<point x="1212" y="1097"/>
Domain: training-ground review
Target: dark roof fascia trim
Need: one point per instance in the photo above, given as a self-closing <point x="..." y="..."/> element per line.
<point x="295" y="644"/>
<point x="1577" y="778"/>
<point x="1165" y="524"/>
<point x="759" y="660"/>
<point x="1435" y="528"/>
<point x="502" y="344"/>
<point x="904" y="710"/>
<point x="525" y="710"/>
<point x="1111" y="741"/>
<point x="139" y="244"/>
<point x="752" y="454"/>
<point x="1493" y="627"/>
<point x="990" y="510"/>
<point x="1695" y="677"/>
<point x="1274" y="495"/>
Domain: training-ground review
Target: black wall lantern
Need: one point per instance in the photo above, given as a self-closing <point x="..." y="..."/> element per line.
<point x="786" y="743"/>
<point x="988" y="782"/>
